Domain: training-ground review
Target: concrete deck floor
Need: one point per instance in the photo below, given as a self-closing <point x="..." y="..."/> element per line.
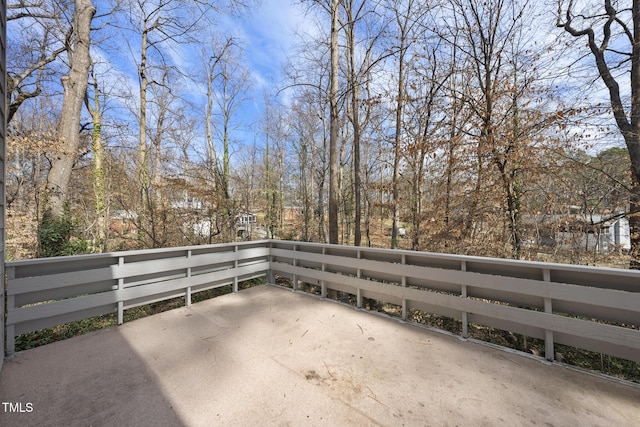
<point x="268" y="356"/>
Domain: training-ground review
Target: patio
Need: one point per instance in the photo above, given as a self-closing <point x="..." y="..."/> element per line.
<point x="269" y="356"/>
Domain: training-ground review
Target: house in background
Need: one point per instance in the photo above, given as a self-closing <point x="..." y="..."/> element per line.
<point x="122" y="223"/>
<point x="187" y="202"/>
<point x="246" y="224"/>
<point x="601" y="233"/>
<point x="597" y="232"/>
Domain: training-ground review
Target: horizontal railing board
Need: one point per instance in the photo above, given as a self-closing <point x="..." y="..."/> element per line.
<point x="64" y="292"/>
<point x="59" y="280"/>
<point x="594" y="311"/>
<point x="150" y="279"/>
<point x="574" y="274"/>
<point x="211" y="268"/>
<point x="48" y="322"/>
<point x="54" y="263"/>
<point x="598" y="346"/>
<point x="447" y="264"/>
<point x="260" y="246"/>
<point x="622" y="280"/>
<point x="44" y="267"/>
<point x="56" y="308"/>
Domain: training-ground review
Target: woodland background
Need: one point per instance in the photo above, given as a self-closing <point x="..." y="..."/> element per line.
<point x="459" y="126"/>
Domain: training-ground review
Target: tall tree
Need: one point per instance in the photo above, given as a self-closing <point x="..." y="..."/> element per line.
<point x="96" y="109"/>
<point x="363" y="28"/>
<point x="230" y="83"/>
<point x="612" y="33"/>
<point x="334" y="160"/>
<point x="159" y="24"/>
<point x="354" y="77"/>
<point x="75" y="87"/>
<point x="491" y="40"/>
<point x="215" y="57"/>
<point x="404" y="15"/>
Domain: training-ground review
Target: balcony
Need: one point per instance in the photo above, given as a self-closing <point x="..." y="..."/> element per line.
<point x="276" y="356"/>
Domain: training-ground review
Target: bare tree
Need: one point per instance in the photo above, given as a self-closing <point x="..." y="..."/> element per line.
<point x="230" y="83"/>
<point x="160" y="24"/>
<point x="75" y="86"/>
<point x="490" y="38"/>
<point x="406" y="16"/>
<point x="612" y="33"/>
<point x="334" y="160"/>
<point x="44" y="38"/>
<point x="215" y="56"/>
<point x="95" y="106"/>
<point x="360" y="17"/>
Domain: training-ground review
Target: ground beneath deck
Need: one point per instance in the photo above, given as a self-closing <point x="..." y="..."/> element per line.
<point x="268" y="356"/>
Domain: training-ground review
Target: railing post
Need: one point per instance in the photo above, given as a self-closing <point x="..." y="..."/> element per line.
<point x="270" y="276"/>
<point x="120" y="292"/>
<point x="187" y="294"/>
<point x="235" y="266"/>
<point x="11" y="305"/>
<point x="463" y="294"/>
<point x="359" y="291"/>
<point x="295" y="263"/>
<point x="404" y="285"/>
<point x="323" y="285"/>
<point x="549" y="351"/>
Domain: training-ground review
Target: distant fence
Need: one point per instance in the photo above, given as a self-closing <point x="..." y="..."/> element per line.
<point x="46" y="292"/>
<point x="592" y="308"/>
<point x="596" y="309"/>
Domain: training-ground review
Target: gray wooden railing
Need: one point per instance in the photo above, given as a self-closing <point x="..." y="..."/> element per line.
<point x="46" y="292"/>
<point x="592" y="308"/>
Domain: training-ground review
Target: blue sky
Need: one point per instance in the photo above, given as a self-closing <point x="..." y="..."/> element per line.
<point x="267" y="36"/>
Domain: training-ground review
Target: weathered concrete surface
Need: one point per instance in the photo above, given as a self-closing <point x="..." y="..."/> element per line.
<point x="267" y="356"/>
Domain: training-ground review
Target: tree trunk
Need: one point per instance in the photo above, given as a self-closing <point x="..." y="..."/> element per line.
<point x="354" y="91"/>
<point x="143" y="156"/>
<point x="100" y="204"/>
<point x="513" y="209"/>
<point x="75" y="87"/>
<point x="396" y="155"/>
<point x="634" y="220"/>
<point x="334" y="167"/>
